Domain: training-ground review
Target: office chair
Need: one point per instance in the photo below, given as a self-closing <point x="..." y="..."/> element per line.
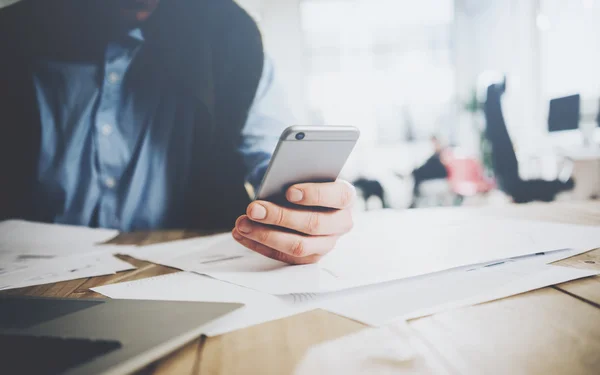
<point x="368" y="188"/>
<point x="504" y="159"/>
<point x="430" y="182"/>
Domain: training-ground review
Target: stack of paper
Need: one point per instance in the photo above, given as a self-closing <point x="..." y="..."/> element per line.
<point x="35" y="253"/>
<point x="392" y="266"/>
<point x="374" y="305"/>
<point x="383" y="247"/>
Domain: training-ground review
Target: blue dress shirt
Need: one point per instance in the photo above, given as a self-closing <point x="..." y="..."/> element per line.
<point x="115" y="158"/>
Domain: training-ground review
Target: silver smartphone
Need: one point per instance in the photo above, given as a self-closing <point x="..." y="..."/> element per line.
<point x="307" y="154"/>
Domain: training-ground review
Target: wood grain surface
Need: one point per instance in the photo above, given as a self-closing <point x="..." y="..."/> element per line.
<point x="554" y="330"/>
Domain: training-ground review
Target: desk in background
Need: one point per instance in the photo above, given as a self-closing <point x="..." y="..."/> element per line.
<point x="547" y="158"/>
<point x="554" y="330"/>
<point x="586" y="171"/>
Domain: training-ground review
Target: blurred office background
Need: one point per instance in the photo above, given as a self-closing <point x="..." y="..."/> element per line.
<point x="405" y="71"/>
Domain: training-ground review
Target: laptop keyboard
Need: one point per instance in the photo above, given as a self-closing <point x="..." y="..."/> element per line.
<point x="21" y="354"/>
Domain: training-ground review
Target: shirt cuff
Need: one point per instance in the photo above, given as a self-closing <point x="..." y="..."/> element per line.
<point x="256" y="176"/>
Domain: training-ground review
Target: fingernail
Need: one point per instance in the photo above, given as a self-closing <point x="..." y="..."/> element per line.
<point x="244" y="226"/>
<point x="295" y="195"/>
<point x="237" y="236"/>
<point x="258" y="212"/>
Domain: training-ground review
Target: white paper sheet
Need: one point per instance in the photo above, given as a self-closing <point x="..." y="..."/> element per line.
<point x="384" y="246"/>
<point x="466" y="286"/>
<point x="24" y="243"/>
<point x="374" y="304"/>
<point x="392" y="245"/>
<point x="27" y="235"/>
<point x="63" y="269"/>
<point x="165" y="253"/>
<point x="37" y="253"/>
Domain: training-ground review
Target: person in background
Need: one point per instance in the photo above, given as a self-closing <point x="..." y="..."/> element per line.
<point x="434" y="168"/>
<point x="148" y="114"/>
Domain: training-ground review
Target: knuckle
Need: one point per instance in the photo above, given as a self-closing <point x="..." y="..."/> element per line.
<point x="280" y="217"/>
<point x="318" y="194"/>
<point x="313" y="223"/>
<point x="298" y="248"/>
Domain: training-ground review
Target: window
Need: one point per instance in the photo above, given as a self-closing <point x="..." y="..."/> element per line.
<point x="570" y="58"/>
<point x="385" y="66"/>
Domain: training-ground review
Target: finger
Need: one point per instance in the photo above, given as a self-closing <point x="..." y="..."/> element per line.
<point x="272" y="253"/>
<point x="339" y="194"/>
<point x="314" y="223"/>
<point x="290" y="243"/>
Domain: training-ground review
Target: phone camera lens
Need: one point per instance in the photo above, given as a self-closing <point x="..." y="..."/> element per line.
<point x="300" y="136"/>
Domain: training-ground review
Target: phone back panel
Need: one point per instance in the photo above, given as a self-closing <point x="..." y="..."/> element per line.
<point x="316" y="158"/>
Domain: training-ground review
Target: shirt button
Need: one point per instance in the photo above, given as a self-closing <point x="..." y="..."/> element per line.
<point x="106" y="129"/>
<point x="110" y="182"/>
<point x="114" y="77"/>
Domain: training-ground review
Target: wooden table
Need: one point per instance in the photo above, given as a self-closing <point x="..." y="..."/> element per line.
<point x="554" y="330"/>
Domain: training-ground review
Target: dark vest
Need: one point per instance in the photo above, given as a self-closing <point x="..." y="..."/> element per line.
<point x="210" y="48"/>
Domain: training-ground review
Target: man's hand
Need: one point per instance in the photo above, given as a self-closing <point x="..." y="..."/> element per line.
<point x="302" y="234"/>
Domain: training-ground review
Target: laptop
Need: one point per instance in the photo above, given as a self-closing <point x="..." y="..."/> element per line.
<point x="96" y="336"/>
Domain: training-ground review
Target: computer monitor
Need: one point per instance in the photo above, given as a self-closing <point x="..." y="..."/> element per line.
<point x="564" y="113"/>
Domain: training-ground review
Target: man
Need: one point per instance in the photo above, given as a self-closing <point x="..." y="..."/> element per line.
<point x="140" y="114"/>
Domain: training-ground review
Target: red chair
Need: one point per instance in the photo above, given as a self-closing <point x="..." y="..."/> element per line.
<point x="466" y="175"/>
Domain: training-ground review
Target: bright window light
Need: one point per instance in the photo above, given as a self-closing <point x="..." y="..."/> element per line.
<point x="381" y="65"/>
